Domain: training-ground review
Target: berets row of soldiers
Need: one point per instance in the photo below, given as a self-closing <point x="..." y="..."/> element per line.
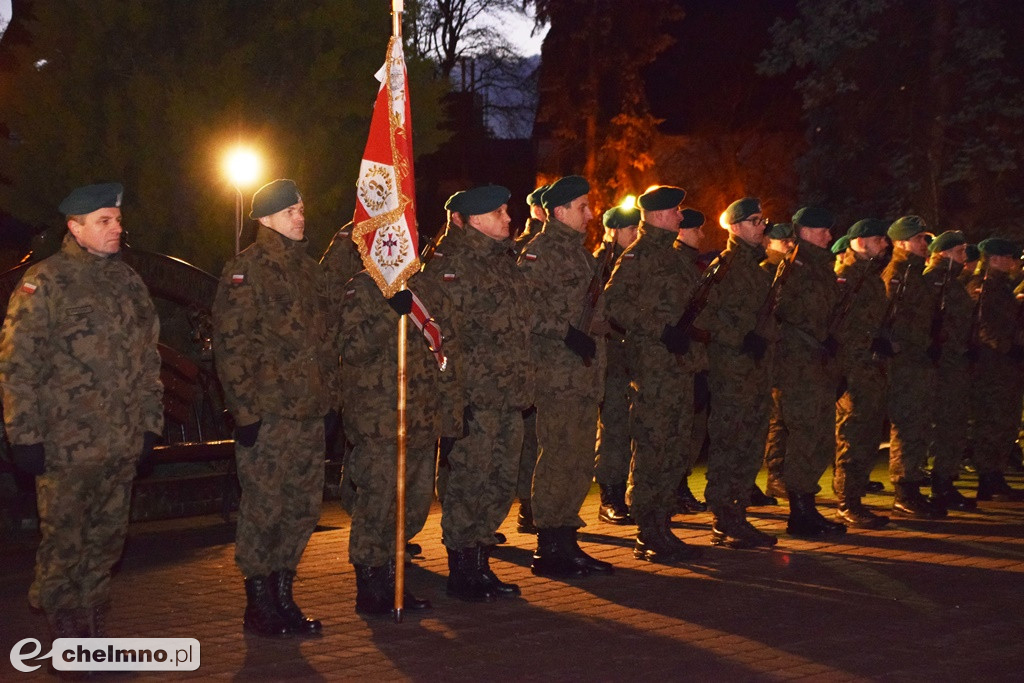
<point x="518" y="352"/>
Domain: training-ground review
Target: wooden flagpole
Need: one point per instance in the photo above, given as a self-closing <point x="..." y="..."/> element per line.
<point x="403" y="327"/>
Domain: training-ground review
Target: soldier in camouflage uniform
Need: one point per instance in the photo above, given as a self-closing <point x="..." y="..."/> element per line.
<point x="996" y="385"/>
<point x="277" y="360"/>
<point x="370" y="387"/>
<point x="612" y="452"/>
<point x="647" y="294"/>
<point x="911" y="371"/>
<point x="739" y="378"/>
<point x="568" y="371"/>
<point x="491" y="317"/>
<point x="951" y="325"/>
<point x="860" y="410"/>
<point x="82" y="400"/>
<point x="804" y="394"/>
<point x="535" y="222"/>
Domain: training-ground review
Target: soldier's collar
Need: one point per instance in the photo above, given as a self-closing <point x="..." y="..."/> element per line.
<point x="73" y="250"/>
<point x="558" y="229"/>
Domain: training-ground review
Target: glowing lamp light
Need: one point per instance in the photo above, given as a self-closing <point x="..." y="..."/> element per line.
<point x="629" y="202"/>
<point x="242" y="166"/>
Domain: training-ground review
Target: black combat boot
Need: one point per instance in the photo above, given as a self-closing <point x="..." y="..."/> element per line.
<point x="409" y="601"/>
<point x="651" y="542"/>
<point x="524" y="521"/>
<point x="553" y="558"/>
<point x="993" y="486"/>
<point x="372" y="595"/>
<point x="731" y="529"/>
<point x="465" y="581"/>
<point x="281" y="589"/>
<point x="686" y="502"/>
<point x="855" y="514"/>
<point x="681" y="549"/>
<point x="806" y="522"/>
<point x="759" y="498"/>
<point x="581" y="558"/>
<point x="613" y="508"/>
<point x="910" y="502"/>
<point x="773" y="489"/>
<point x="500" y="588"/>
<point x="945" y="494"/>
<point x="261" y="615"/>
<point x="875" y="487"/>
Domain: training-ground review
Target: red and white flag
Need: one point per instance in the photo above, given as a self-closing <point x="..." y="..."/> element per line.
<point x="384" y="225"/>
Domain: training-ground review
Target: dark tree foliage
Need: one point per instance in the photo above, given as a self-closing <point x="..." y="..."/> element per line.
<point x="910" y="107"/>
<point x="153" y="93"/>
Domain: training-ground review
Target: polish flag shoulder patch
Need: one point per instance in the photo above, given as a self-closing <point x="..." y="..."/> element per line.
<point x="449" y="277"/>
<point x="29" y="288"/>
<point x="530" y="257"/>
<point x="237" y="278"/>
<point x="841" y="280"/>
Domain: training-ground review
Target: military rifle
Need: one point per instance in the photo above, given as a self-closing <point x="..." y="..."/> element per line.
<point x="602" y="273"/>
<point x="889" y="319"/>
<point x="974" y="336"/>
<point x="938" y="334"/>
<point x="712" y="275"/>
<point x="845" y="305"/>
<point x="427" y="252"/>
<point x="771" y="301"/>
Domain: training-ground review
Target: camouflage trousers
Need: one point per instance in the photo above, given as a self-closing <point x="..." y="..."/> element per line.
<point x="528" y="455"/>
<point x="860" y="429"/>
<point x="950" y="416"/>
<point x="565" y="465"/>
<point x="613" y="451"/>
<point x="373" y="468"/>
<point x="995" y="405"/>
<point x="483" y="467"/>
<point x="804" y="406"/>
<point x="661" y="421"/>
<point x="282" y="478"/>
<point x="737" y="425"/>
<point x="911" y="391"/>
<point x="776" y="441"/>
<point x="83" y="519"/>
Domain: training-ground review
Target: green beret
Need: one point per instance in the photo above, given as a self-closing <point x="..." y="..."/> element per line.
<point x="534" y="198"/>
<point x="692" y="218"/>
<point x="780" y="231"/>
<point x="947" y="240"/>
<point x="661" y="197"/>
<point x="275" y="196"/>
<point x="564" y="190"/>
<point x="813" y="217"/>
<point x="841" y="245"/>
<point x="83" y="200"/>
<point x="973" y="253"/>
<point x="621" y="217"/>
<point x="906" y="227"/>
<point x="867" y="227"/>
<point x="742" y="209"/>
<point x="479" y="200"/>
<point x="997" y="246"/>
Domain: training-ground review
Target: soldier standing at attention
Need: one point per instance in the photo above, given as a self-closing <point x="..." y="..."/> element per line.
<point x="996" y="389"/>
<point x="491" y="317"/>
<point x="80" y="374"/>
<point x="278" y="362"/>
<point x="804" y="395"/>
<point x="569" y="372"/>
<point x="536" y="220"/>
<point x="612" y="453"/>
<point x="911" y="371"/>
<point x="739" y="378"/>
<point x="951" y="330"/>
<point x="860" y="409"/>
<point x="647" y="294"/>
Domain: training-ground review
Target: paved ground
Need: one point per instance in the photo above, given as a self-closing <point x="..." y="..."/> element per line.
<point x="918" y="601"/>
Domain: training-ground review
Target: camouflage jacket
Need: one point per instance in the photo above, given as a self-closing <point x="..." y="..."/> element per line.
<point x="998" y="315"/>
<point x="532" y="229"/>
<point x="490" y="316"/>
<point x="273" y="346"/>
<point x="340" y="262"/>
<point x="912" y="328"/>
<point x="78" y="357"/>
<point x="649" y="289"/>
<point x="806" y="302"/>
<point x="956" y="321"/>
<point x="558" y="270"/>
<point x="369" y="369"/>
<point x="698" y="350"/>
<point x="772" y="260"/>
<point x="867" y="308"/>
<point x="734" y="302"/>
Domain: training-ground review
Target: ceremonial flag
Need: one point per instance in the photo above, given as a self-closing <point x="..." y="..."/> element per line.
<point x="385" y="217"/>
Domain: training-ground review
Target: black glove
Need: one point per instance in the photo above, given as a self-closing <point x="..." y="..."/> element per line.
<point x="401" y="303"/>
<point x="444" y="449"/>
<point x="467" y="417"/>
<point x="701" y="391"/>
<point x="30" y="458"/>
<point x="144" y="466"/>
<point x="581" y="344"/>
<point x="677" y="341"/>
<point x="754" y="345"/>
<point x="882" y="347"/>
<point x="831" y="346"/>
<point x="246" y="435"/>
<point x="330" y="427"/>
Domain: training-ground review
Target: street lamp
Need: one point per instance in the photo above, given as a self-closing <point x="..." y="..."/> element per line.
<point x="242" y="166"/>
